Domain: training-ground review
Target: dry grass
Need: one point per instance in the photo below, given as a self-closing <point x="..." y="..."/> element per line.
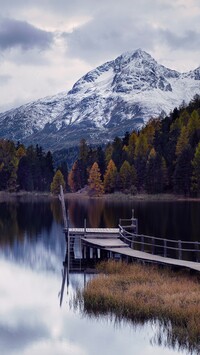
<point x="144" y="293"/>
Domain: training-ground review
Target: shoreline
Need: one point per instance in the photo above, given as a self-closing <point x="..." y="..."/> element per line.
<point x="117" y="196"/>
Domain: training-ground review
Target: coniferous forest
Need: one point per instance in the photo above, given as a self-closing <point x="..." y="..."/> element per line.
<point x="163" y="157"/>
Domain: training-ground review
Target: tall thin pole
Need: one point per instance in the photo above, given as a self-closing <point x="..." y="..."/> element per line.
<point x="62" y="200"/>
<point x="66" y="229"/>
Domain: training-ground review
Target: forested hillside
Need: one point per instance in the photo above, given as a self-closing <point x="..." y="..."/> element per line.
<point x="164" y="156"/>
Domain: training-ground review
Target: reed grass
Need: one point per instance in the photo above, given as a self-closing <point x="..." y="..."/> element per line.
<point x="142" y="293"/>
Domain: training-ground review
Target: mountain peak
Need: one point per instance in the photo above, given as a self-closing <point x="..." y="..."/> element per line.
<point x="136" y="54"/>
<point x="117" y="96"/>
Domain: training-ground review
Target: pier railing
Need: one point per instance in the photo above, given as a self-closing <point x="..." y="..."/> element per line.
<point x="179" y="249"/>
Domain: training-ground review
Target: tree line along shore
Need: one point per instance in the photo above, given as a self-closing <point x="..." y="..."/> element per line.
<point x="162" y="158"/>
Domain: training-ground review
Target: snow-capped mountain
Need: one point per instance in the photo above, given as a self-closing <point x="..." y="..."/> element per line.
<point x="117" y="96"/>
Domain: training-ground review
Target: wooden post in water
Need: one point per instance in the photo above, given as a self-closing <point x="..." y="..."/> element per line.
<point x="66" y="228"/>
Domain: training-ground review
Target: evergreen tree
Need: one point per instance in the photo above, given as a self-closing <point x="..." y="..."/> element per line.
<point x="24" y="175"/>
<point x="47" y="171"/>
<point x="108" y="153"/>
<point x="9" y="164"/>
<point x="94" y="181"/>
<point x="74" y="177"/>
<point x="117" y="155"/>
<point x="110" y="177"/>
<point x="141" y="151"/>
<point x="101" y="160"/>
<point x="196" y="171"/>
<point x="130" y="148"/>
<point x="127" y="176"/>
<point x="183" y="171"/>
<point x="194" y="128"/>
<point x="64" y="170"/>
<point x="156" y="177"/>
<point x="182" y="141"/>
<point x="58" y="180"/>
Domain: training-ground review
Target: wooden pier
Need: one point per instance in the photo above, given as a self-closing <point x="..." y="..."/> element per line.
<point x="125" y="241"/>
<point x="115" y="241"/>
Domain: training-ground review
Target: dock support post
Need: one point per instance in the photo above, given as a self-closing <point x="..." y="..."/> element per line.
<point x="98" y="253"/>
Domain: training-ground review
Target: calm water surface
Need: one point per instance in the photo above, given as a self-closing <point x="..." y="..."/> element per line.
<point x="32" y="249"/>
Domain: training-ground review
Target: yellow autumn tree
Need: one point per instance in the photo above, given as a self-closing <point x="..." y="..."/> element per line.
<point x="95" y="183"/>
<point x="58" y="180"/>
<point x="110" y="177"/>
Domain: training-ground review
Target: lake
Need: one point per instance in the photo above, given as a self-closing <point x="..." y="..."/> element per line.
<point x="32" y="250"/>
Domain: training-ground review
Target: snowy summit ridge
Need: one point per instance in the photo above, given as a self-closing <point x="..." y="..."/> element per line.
<point x="117" y="96"/>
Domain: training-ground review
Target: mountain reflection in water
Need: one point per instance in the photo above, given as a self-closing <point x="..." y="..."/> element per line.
<point x="32" y="251"/>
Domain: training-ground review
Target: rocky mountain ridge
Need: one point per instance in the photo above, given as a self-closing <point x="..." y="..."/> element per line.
<point x="117" y="96"/>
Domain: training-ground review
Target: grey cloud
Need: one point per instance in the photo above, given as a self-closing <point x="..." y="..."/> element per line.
<point x="190" y="40"/>
<point x="14" y="33"/>
<point x="93" y="41"/>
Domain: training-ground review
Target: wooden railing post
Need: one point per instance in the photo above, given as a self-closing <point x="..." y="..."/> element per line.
<point x="165" y="248"/>
<point x="197" y="251"/>
<point x="179" y="249"/>
<point x="153" y="246"/>
<point x="132" y="218"/>
<point x="142" y="241"/>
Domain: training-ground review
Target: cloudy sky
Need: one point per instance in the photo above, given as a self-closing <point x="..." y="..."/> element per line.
<point x="46" y="45"/>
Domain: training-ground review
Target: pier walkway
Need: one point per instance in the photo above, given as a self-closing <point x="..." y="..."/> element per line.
<point x="126" y="241"/>
<point x="121" y="241"/>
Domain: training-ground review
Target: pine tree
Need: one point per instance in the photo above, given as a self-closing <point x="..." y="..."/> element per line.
<point x="130" y="148"/>
<point x="127" y="176"/>
<point x="95" y="183"/>
<point x="83" y="151"/>
<point x="141" y="151"/>
<point x="58" y="180"/>
<point x="196" y="171"/>
<point x="182" y="141"/>
<point x="108" y="152"/>
<point x="194" y="129"/>
<point x="156" y="176"/>
<point x="74" y="177"/>
<point x="110" y="177"/>
<point x="183" y="171"/>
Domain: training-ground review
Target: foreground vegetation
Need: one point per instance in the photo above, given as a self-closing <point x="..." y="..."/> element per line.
<point x="141" y="293"/>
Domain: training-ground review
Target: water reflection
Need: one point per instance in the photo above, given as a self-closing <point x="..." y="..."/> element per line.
<point x="173" y="220"/>
<point x="32" y="249"/>
<point x="31" y="321"/>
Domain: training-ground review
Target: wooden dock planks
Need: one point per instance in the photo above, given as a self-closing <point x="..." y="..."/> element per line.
<point x="93" y="237"/>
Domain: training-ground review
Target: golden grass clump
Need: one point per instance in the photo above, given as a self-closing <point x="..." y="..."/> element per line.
<point x="140" y="293"/>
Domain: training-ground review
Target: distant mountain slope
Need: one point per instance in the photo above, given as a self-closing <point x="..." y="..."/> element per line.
<point x="117" y="96"/>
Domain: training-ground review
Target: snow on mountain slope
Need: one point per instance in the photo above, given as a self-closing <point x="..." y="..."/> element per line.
<point x="117" y="96"/>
